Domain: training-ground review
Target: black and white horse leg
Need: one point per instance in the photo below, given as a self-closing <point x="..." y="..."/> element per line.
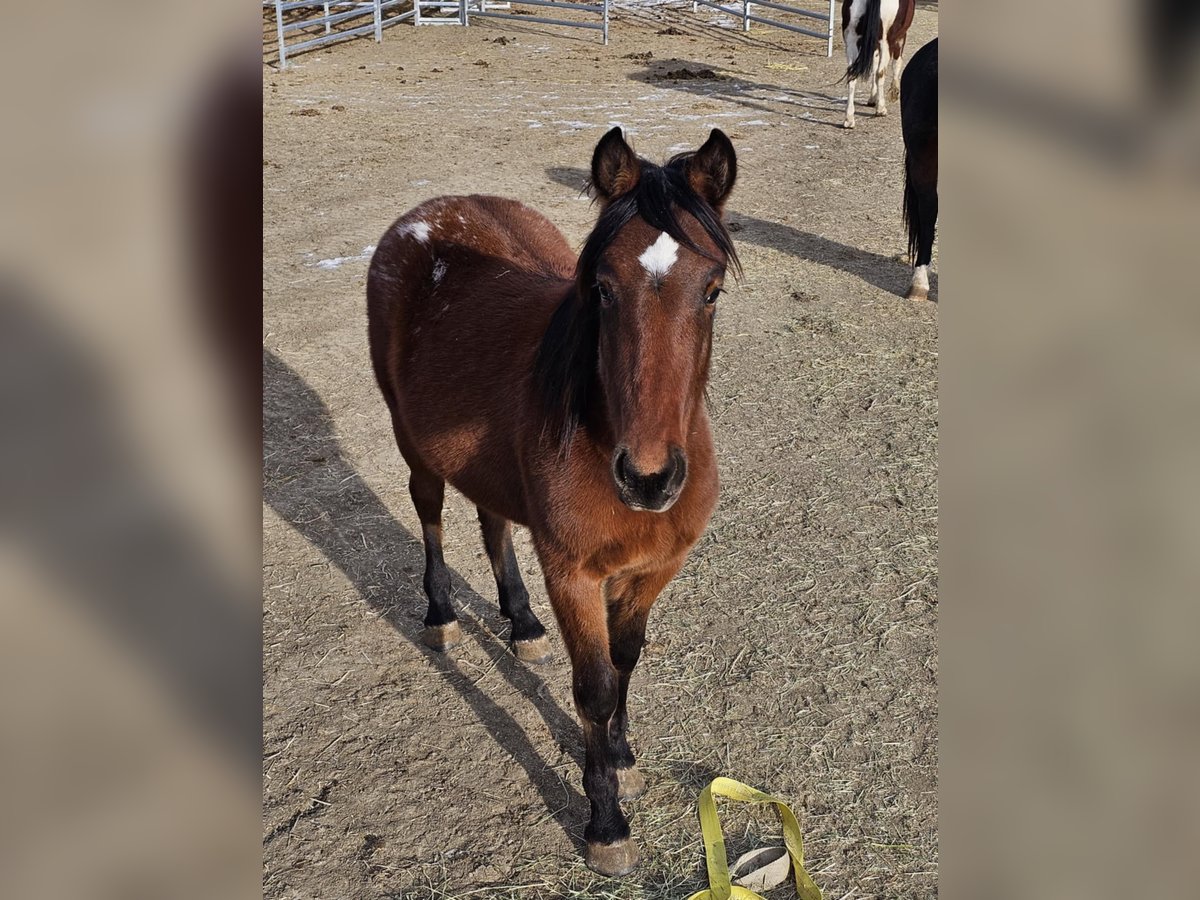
<point x="528" y="638"/>
<point x="442" y="630"/>
<point x="897" y="65"/>
<point x="878" y="74"/>
<point x="851" y="41"/>
<point x="927" y="210"/>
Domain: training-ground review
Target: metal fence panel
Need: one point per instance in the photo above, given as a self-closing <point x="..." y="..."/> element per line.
<point x="325" y="19"/>
<point x="744" y="11"/>
<point x="484" y="10"/>
<point x="328" y="21"/>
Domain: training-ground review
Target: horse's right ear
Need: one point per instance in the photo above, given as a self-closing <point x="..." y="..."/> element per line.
<point x="615" y="167"/>
<point x="712" y="170"/>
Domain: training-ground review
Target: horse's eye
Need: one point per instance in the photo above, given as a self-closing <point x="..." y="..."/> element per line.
<point x="712" y="298"/>
<point x="606" y="295"/>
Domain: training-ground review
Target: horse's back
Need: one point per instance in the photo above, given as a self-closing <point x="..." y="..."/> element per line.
<point x="458" y="248"/>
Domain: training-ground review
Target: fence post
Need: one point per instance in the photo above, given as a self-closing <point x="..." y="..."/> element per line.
<point x="279" y="29"/>
<point x="829" y="52"/>
<point x="745" y="15"/>
<point x="378" y="22"/>
<point x="605" y="23"/>
<point x="462" y="13"/>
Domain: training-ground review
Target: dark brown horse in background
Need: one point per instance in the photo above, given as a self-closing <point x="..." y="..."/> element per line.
<point x="566" y="395"/>
<point x="919" y="124"/>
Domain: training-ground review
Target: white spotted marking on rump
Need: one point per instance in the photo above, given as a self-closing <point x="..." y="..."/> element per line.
<point x="439" y="271"/>
<point x="419" y="230"/>
<point x="660" y="256"/>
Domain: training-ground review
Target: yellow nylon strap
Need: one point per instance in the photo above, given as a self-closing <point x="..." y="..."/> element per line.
<point x="719" y="885"/>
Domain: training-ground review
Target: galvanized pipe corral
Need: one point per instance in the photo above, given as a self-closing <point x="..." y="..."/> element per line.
<point x="744" y="11"/>
<point x="332" y="13"/>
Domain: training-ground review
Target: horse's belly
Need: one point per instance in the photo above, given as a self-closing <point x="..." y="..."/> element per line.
<point x="471" y="449"/>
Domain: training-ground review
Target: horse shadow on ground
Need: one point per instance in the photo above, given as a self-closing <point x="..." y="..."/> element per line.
<point x="310" y="484"/>
<point x="699" y="79"/>
<point x="888" y="273"/>
<point x="884" y="272"/>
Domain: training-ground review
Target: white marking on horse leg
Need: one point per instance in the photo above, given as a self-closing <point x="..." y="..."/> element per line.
<point x="919" y="289"/>
<point x="894" y="90"/>
<point x="658" y="258"/>
<point x="879" y="73"/>
<point x="850" y="36"/>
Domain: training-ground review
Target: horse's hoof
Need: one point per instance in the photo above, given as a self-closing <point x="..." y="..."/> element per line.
<point x="881" y="111"/>
<point x="442" y="637"/>
<point x="849" y="123"/>
<point x="535" y="651"/>
<point x="631" y="784"/>
<point x="894" y="93"/>
<point x="917" y="293"/>
<point x="613" y="860"/>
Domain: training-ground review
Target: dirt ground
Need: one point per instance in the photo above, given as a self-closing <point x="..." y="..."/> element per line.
<point x="796" y="651"/>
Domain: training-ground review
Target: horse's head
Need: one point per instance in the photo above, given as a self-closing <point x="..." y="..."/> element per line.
<point x="647" y="286"/>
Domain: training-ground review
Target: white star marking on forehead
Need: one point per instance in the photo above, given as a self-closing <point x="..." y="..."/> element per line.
<point x="659" y="257"/>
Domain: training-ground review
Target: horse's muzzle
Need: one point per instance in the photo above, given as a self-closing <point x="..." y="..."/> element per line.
<point x="655" y="491"/>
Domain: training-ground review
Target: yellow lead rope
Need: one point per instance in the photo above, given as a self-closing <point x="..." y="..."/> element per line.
<point x="719" y="885"/>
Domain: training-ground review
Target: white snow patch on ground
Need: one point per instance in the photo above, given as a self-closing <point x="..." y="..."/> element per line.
<point x="336" y="261"/>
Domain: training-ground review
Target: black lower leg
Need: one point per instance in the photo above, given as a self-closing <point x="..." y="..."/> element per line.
<point x="427" y="492"/>
<point x="626" y="637"/>
<point x="928" y="203"/>
<point x="514" y="598"/>
<point x="437" y="579"/>
<point x="596" y="686"/>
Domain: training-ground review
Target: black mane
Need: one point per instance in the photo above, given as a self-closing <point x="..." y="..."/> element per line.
<point x="566" y="363"/>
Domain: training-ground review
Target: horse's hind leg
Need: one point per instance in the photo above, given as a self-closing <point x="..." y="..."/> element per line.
<point x="897" y="65"/>
<point x="442" y="630"/>
<point x="927" y="210"/>
<point x="878" y="74"/>
<point x="528" y="638"/>
<point x="851" y="54"/>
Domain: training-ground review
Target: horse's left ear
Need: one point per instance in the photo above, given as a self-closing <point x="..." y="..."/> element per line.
<point x="615" y="167"/>
<point x="712" y="169"/>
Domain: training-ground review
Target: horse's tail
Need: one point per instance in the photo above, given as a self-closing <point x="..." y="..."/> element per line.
<point x="912" y="210"/>
<point x="869" y="35"/>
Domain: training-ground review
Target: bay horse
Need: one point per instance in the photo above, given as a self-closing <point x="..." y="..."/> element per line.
<point x="919" y="124"/>
<point x="565" y="394"/>
<point x="874" y="32"/>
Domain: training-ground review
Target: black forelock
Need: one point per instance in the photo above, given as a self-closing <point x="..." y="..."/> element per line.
<point x="567" y="359"/>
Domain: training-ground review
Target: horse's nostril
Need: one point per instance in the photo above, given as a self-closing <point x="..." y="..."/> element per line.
<point x="655" y="490"/>
<point x="621" y="466"/>
<point x="678" y="467"/>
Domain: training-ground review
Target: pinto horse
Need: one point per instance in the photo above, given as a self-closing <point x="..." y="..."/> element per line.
<point x="567" y="395"/>
<point x="919" y="124"/>
<point x="874" y="32"/>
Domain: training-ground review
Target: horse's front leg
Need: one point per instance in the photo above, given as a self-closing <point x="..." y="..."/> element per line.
<point x="629" y="601"/>
<point x="582" y="619"/>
